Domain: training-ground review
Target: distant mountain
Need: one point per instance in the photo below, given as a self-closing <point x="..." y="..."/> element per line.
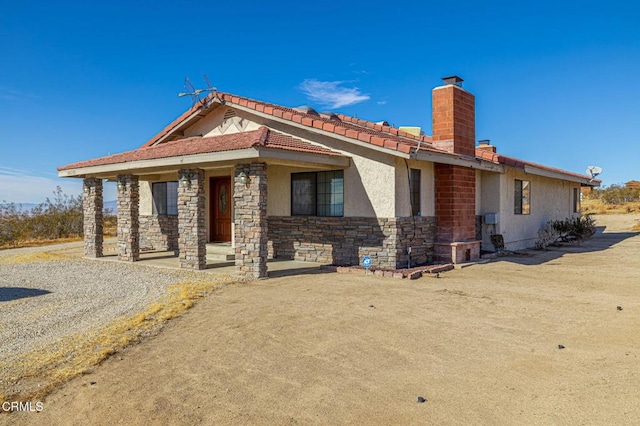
<point x="27" y="207"/>
<point x="111" y="205"/>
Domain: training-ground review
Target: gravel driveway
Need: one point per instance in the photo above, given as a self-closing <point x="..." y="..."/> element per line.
<point x="41" y="302"/>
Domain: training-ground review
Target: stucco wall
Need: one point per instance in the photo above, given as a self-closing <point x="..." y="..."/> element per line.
<point x="551" y="199"/>
<point x="369" y="184"/>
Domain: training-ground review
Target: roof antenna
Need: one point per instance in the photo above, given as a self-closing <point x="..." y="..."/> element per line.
<point x="195" y="93"/>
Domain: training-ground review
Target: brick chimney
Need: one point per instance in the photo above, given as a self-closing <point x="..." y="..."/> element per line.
<point x="455" y="186"/>
<point x="454" y="117"/>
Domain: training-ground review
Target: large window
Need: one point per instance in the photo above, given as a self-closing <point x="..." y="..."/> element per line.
<point x="317" y="194"/>
<point x="414" y="191"/>
<point x="522" y="197"/>
<point x="165" y="198"/>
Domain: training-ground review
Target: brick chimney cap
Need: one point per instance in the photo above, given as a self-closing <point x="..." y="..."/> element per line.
<point x="454" y="79"/>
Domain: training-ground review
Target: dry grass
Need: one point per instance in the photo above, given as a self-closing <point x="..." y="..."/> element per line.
<point x="33" y="257"/>
<point x="636" y="227"/>
<point x="39" y="242"/>
<point x="38" y="373"/>
<point x="595" y="206"/>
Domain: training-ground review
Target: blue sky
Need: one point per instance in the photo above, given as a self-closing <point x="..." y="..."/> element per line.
<point x="555" y="82"/>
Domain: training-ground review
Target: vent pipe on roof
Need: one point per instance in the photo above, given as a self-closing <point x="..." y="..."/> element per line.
<point x="454" y="79"/>
<point x="330" y="115"/>
<point x="485" y="145"/>
<point x="306" y="109"/>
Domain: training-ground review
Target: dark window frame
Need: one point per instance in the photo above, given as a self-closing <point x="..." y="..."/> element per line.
<point x="576" y="200"/>
<point x="415" y="176"/>
<point x="165" y="198"/>
<point x="522" y="197"/>
<point x="325" y="197"/>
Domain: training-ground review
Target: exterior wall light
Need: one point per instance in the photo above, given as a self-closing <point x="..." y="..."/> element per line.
<point x="121" y="183"/>
<point x="185" y="180"/>
<point x="243" y="178"/>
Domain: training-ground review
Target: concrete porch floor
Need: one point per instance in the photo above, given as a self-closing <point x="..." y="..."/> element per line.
<point x="168" y="259"/>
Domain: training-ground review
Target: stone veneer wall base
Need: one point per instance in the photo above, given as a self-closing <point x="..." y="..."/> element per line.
<point x="346" y="240"/>
<point x="159" y="232"/>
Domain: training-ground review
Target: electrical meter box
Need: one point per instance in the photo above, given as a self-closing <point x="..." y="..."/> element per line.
<point x="491" y="218"/>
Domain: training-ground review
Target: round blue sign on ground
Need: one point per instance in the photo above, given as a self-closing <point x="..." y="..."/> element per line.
<point x="366" y="262"/>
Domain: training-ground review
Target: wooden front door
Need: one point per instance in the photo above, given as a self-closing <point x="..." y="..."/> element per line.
<point x="220" y="208"/>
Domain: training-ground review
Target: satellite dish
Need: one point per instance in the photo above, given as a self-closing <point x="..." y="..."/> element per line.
<point x="593" y="171"/>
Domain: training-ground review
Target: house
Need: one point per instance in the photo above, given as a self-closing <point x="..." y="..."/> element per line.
<point x="294" y="183"/>
<point x="632" y="184"/>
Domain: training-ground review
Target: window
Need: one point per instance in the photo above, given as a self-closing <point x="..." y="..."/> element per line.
<point x="522" y="197"/>
<point x="165" y="198"/>
<point x="576" y="200"/>
<point x="317" y="194"/>
<point x="414" y="191"/>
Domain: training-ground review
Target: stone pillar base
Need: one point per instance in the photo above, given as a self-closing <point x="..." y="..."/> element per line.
<point x="457" y="252"/>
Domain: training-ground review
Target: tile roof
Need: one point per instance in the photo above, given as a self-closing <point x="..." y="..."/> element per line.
<point x="262" y="137"/>
<point x="520" y="164"/>
<point x="350" y="127"/>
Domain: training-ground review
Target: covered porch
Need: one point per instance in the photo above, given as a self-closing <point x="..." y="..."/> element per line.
<point x="218" y="197"/>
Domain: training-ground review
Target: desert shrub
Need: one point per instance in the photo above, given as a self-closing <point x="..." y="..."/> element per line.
<point x="546" y="236"/>
<point x="13" y="223"/>
<point x="57" y="217"/>
<point x="615" y="194"/>
<point x="576" y="229"/>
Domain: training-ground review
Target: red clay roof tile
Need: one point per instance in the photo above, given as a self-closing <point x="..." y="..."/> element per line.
<point x="263" y="137"/>
<point x="351" y="127"/>
<point x="521" y="164"/>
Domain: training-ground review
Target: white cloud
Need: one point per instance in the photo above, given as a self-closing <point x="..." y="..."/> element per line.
<point x="9" y="94"/>
<point x="330" y="94"/>
<point x="22" y="186"/>
<point x="34" y="189"/>
<point x="382" y="102"/>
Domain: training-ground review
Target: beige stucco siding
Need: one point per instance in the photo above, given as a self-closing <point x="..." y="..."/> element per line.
<point x="369" y="186"/>
<point x="279" y="190"/>
<point x="551" y="199"/>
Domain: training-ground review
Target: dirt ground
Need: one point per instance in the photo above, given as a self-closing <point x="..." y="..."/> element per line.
<point x="480" y="344"/>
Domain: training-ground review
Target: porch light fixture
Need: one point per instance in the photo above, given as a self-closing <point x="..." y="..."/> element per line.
<point x="185" y="180"/>
<point x="121" y="183"/>
<point x="243" y="178"/>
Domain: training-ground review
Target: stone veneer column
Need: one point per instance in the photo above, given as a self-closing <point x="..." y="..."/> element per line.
<point x="192" y="235"/>
<point x="250" y="220"/>
<point x="128" y="218"/>
<point x="92" y="205"/>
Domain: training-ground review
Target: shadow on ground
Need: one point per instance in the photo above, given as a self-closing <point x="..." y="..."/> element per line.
<point x="600" y="242"/>
<point x="8" y="294"/>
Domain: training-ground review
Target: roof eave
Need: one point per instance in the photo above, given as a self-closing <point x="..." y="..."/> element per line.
<point x="140" y="167"/>
<point x="582" y="180"/>
<point x="452" y="159"/>
<point x="320" y="131"/>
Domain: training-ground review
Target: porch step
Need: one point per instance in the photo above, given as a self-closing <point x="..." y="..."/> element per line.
<point x="220" y="252"/>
